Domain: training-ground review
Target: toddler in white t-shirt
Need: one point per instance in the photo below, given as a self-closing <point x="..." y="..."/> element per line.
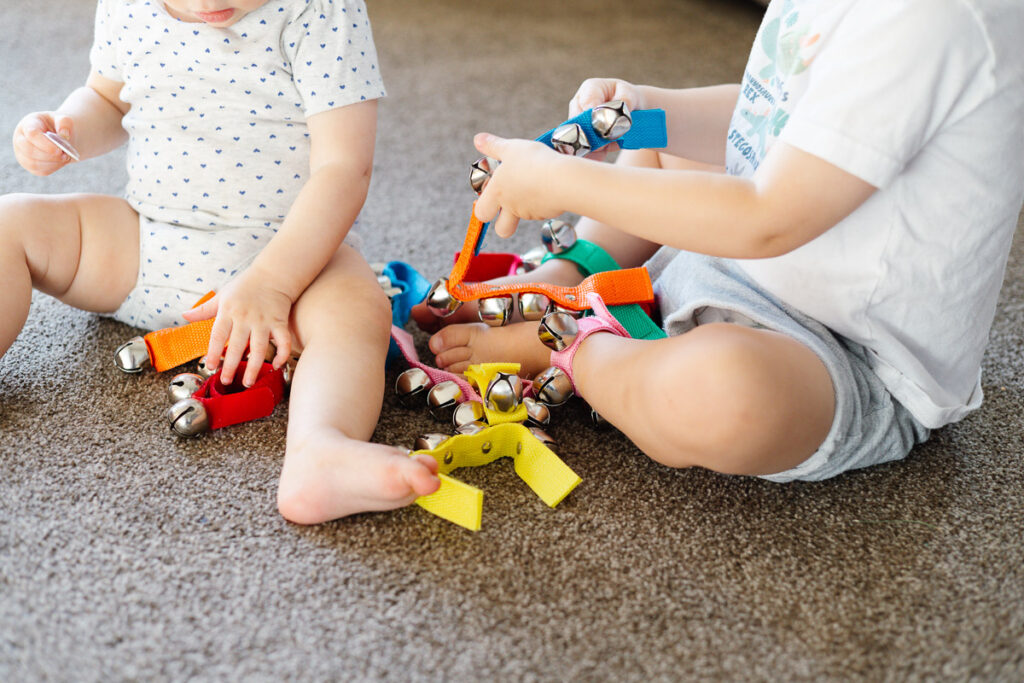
<point x="250" y="127"/>
<point x="827" y="239"/>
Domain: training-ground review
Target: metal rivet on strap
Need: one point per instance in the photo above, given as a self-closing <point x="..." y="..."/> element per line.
<point x="448" y="457"/>
<point x="519" y="448"/>
<point x="486" y="447"/>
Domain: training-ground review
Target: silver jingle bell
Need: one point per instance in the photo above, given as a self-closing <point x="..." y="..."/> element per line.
<point x="569" y="138"/>
<point x="543" y="437"/>
<point x="443" y="399"/>
<point x="533" y="306"/>
<point x="470" y="411"/>
<point x="412" y="384"/>
<point x="384" y="281"/>
<point x="558" y="330"/>
<point x="599" y="421"/>
<point x="440" y="302"/>
<point x="552" y="387"/>
<point x="557" y="236"/>
<point x="132" y="356"/>
<point x="184" y="385"/>
<point x="428" y="442"/>
<point x="611" y="120"/>
<point x="532" y="259"/>
<point x="471" y="427"/>
<point x="188" y="418"/>
<point x="496" y="310"/>
<point x="480" y="171"/>
<point x="537" y="413"/>
<point x="504" y="393"/>
<point x="203" y="370"/>
<point x="378" y="268"/>
<point x="568" y="311"/>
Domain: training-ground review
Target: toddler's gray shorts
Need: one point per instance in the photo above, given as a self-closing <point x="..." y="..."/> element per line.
<point x="869" y="426"/>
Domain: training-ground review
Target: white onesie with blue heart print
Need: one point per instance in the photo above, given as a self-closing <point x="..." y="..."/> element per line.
<point x="218" y="146"/>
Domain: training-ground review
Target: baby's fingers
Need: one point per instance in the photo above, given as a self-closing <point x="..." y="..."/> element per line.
<point x="258" y="344"/>
<point x="238" y="343"/>
<point x="282" y="338"/>
<point x="218" y="340"/>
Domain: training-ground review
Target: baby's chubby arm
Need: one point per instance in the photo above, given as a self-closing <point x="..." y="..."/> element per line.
<point x="254" y="308"/>
<point x="791" y="199"/>
<point x="89" y="118"/>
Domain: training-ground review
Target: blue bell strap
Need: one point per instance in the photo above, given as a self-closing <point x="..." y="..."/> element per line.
<point x="414" y="288"/>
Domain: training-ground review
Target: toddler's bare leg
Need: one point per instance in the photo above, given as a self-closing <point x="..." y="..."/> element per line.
<point x="342" y="322"/>
<point x="81" y="249"/>
<point x="725" y="397"/>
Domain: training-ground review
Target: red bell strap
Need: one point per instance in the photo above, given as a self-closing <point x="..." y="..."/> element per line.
<point x="232" y="404"/>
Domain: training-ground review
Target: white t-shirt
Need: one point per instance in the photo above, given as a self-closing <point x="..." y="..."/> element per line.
<point x="217" y="125"/>
<point x="924" y="99"/>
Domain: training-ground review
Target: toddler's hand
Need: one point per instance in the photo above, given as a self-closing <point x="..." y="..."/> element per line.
<point x="36" y="154"/>
<point x="595" y="91"/>
<point x="250" y="313"/>
<point x="522" y="185"/>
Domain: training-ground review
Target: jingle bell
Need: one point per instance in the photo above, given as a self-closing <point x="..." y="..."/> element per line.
<point x="470" y="411"/>
<point x="495" y="310"/>
<point x="471" y="428"/>
<point x="611" y="120"/>
<point x="537" y="414"/>
<point x="440" y="302"/>
<point x="504" y="393"/>
<point x="569" y="138"/>
<point x="557" y="236"/>
<point x="480" y="171"/>
<point x="203" y="370"/>
<point x="558" y="330"/>
<point x="532" y="305"/>
<point x="132" y="356"/>
<point x="188" y="417"/>
<point x="384" y="281"/>
<point x="532" y="259"/>
<point x="412" y="384"/>
<point x="443" y="399"/>
<point x="599" y="421"/>
<point x="184" y="385"/>
<point x="552" y="387"/>
<point x="568" y="311"/>
<point x="543" y="437"/>
<point x="428" y="442"/>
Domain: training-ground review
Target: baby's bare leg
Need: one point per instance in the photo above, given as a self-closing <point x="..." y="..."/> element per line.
<point x="721" y="396"/>
<point x="81" y="249"/>
<point x="342" y="322"/>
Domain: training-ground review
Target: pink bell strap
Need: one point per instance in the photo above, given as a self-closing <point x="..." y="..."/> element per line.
<point x="408" y="348"/>
<point x="601" y="321"/>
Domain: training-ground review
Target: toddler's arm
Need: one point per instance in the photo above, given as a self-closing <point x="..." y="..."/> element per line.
<point x="89" y="118"/>
<point x="255" y="307"/>
<point x="791" y="199"/>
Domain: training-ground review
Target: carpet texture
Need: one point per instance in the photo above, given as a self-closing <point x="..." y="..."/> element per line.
<point x="127" y="553"/>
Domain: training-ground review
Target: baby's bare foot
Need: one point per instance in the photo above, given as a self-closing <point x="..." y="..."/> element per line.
<point x="456" y="347"/>
<point x="332" y="476"/>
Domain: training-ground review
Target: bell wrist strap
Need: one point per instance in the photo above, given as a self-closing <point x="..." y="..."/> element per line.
<point x="601" y="321"/>
<point x="589" y="258"/>
<point x="235" y="403"/>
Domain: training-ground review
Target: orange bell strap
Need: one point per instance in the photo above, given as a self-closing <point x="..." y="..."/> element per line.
<point x="536" y="464"/>
<point x="628" y="286"/>
<point x="172" y="346"/>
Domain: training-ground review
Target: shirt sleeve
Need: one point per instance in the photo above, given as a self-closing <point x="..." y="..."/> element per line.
<point x="333" y="57"/>
<point x="892" y="74"/>
<point x="103" y="57"/>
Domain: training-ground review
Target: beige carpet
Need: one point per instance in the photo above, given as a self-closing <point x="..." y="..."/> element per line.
<point x="128" y="554"/>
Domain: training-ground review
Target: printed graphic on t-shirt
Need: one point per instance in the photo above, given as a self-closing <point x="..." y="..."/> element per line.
<point x="784" y="48"/>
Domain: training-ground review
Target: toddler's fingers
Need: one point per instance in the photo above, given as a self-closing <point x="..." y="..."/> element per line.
<point x="506" y="224"/>
<point x="258" y="343"/>
<point x="490" y="144"/>
<point x="283" y="341"/>
<point x="64" y="126"/>
<point x="218" y="340"/>
<point x="204" y="311"/>
<point x="237" y="345"/>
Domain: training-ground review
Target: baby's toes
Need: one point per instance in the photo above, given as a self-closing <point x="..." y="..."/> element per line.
<point x="421" y="476"/>
<point x="453" y="337"/>
<point x="455" y="360"/>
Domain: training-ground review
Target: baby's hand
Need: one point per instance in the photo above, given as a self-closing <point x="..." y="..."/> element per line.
<point x="250" y="313"/>
<point x="522" y="186"/>
<point x="36" y="154"/>
<point x="596" y="91"/>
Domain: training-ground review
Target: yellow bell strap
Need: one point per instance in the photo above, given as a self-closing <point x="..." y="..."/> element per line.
<point x="481" y="375"/>
<point x="536" y="464"/>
